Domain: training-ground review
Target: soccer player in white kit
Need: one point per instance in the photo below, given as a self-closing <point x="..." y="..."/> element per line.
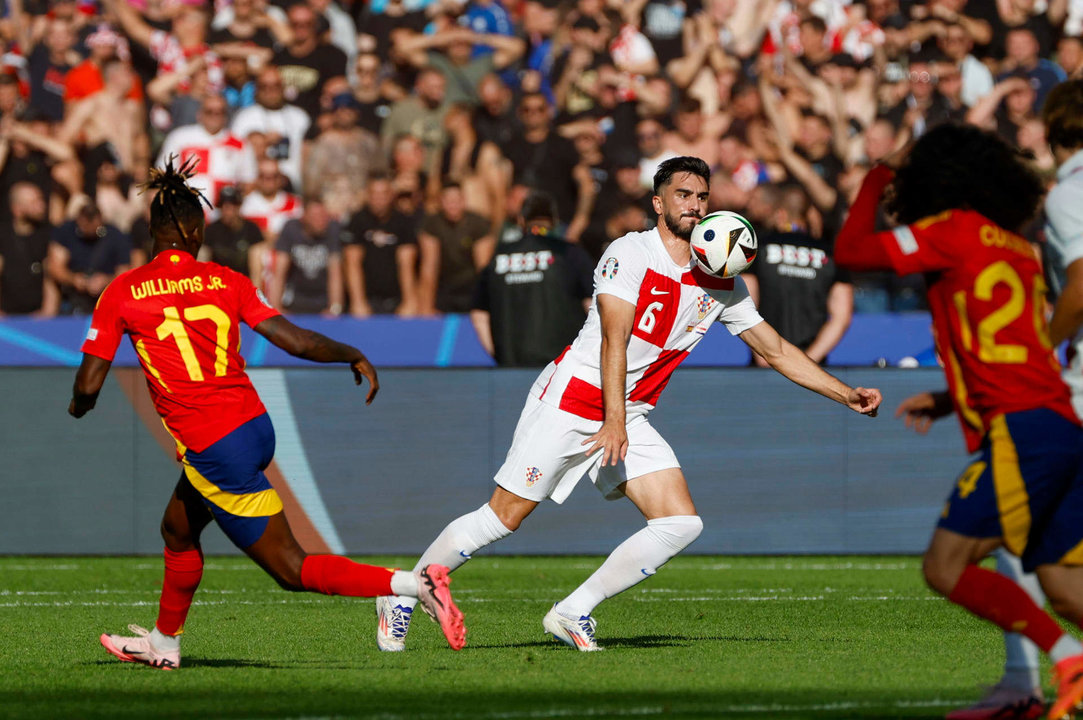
<point x="586" y="414"/>
<point x="1018" y="693"/>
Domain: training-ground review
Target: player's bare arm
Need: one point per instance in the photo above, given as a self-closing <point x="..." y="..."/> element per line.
<point x="88" y="383"/>
<point x="788" y="360"/>
<point x="617" y="317"/>
<point x="1068" y="312"/>
<point x="921" y="410"/>
<point x="310" y="345"/>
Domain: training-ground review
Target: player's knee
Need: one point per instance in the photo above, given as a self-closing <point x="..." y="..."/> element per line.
<point x="677" y="531"/>
<point x="175" y="539"/>
<point x="287" y="578"/>
<point x="938" y="576"/>
<point x="1064" y="604"/>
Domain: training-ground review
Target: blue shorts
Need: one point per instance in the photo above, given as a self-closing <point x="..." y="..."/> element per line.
<point x="1026" y="486"/>
<point x="229" y="476"/>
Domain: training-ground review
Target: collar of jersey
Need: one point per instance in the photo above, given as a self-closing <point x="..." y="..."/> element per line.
<point x="166" y="256"/>
<point x="1072" y="165"/>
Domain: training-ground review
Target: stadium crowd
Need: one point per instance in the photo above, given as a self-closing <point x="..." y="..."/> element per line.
<point x="370" y="157"/>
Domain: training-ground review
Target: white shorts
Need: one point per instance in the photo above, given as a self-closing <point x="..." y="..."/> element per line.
<point x="548" y="458"/>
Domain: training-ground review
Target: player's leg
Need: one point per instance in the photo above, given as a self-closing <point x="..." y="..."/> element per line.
<point x="546" y="446"/>
<point x="455" y="544"/>
<point x="1018" y="693"/>
<point x="183" y="522"/>
<point x="672" y="525"/>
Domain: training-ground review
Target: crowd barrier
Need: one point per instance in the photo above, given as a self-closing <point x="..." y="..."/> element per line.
<point x="450" y="341"/>
<point x="772" y="468"/>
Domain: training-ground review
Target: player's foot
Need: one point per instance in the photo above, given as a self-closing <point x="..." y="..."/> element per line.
<point x="139" y="649"/>
<point x="1003" y="703"/>
<point x="393" y="624"/>
<point x="578" y="634"/>
<point x="435" y="597"/>
<point x="1068" y="674"/>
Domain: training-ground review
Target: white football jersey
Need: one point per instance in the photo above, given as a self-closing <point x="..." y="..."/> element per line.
<point x="221" y="159"/>
<point x="675" y="305"/>
<point x="1064" y="242"/>
<point x="271" y="214"/>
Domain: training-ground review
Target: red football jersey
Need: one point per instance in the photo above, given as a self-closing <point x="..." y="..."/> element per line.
<point x="986" y="296"/>
<point x="183" y="318"/>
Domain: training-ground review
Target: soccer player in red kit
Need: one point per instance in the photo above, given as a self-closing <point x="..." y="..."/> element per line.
<point x="183" y="317"/>
<point x="963" y="194"/>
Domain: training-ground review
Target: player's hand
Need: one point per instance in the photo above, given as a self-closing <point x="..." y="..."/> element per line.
<point x="362" y="370"/>
<point x="865" y="401"/>
<point x="921" y="410"/>
<point x="612" y="440"/>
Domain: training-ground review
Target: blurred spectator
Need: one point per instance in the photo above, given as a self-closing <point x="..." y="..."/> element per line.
<point x="380" y="25"/>
<point x="531" y="299"/>
<point x="575" y="68"/>
<point x="420" y="115"/>
<point x="246" y="25"/>
<point x="84" y="256"/>
<point x="494" y="118"/>
<point x="275" y="129"/>
<point x="109" y="125"/>
<point x="380" y="256"/>
<point x="49" y="63"/>
<point x="232" y="239"/>
<point x="24" y="246"/>
<point x="455" y="245"/>
<point x="182" y="53"/>
<point x="956" y="43"/>
<point x="116" y="196"/>
<point x="1070" y="53"/>
<point x="240" y="89"/>
<point x="475" y="164"/>
<point x="308" y="263"/>
<point x="623" y="188"/>
<point x="451" y="52"/>
<point x="689" y="136"/>
<point x="307" y="61"/>
<point x="30" y="153"/>
<point x="269" y="206"/>
<point x="342" y="31"/>
<point x="1022" y="59"/>
<point x="1008" y="108"/>
<point x="1024" y="15"/>
<point x="222" y="158"/>
<point x="374" y="105"/>
<point x="923" y="107"/>
<point x="85" y="79"/>
<point x="341" y="158"/>
<point x="649" y="133"/>
<point x="794" y="281"/>
<point x="543" y="160"/>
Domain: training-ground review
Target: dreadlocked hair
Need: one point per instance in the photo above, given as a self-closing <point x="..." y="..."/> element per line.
<point x="961" y="167"/>
<point x="177" y="210"/>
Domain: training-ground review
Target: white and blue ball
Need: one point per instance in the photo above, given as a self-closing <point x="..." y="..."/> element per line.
<point x="724" y="244"/>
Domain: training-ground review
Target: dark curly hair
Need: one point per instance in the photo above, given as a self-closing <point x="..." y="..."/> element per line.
<point x="1063" y="115"/>
<point x="177" y="210"/>
<point x="961" y="167"/>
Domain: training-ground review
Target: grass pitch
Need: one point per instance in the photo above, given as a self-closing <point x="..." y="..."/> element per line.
<point x="708" y="637"/>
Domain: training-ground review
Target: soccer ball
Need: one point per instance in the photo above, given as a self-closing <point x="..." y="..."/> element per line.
<point x="724" y="244"/>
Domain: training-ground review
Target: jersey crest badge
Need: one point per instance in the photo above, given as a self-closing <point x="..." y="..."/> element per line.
<point x="706" y="302"/>
<point x="533" y="475"/>
<point x="262" y="298"/>
<point x="609" y="269"/>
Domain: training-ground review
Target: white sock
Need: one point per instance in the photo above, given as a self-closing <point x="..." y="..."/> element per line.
<point x="633" y="561"/>
<point x="463" y="537"/>
<point x="403" y="582"/>
<point x="452" y="547"/>
<point x="1021" y="655"/>
<point x="1064" y="648"/>
<point x="163" y="642"/>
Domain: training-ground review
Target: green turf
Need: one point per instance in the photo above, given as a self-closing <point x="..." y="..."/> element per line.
<point x="707" y="637"/>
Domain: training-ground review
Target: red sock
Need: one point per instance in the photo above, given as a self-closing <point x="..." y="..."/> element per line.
<point x="1001" y="601"/>
<point x="183" y="571"/>
<point x="336" y="575"/>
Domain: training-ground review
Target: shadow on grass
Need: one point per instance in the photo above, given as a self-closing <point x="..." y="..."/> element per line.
<point x="190" y="662"/>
